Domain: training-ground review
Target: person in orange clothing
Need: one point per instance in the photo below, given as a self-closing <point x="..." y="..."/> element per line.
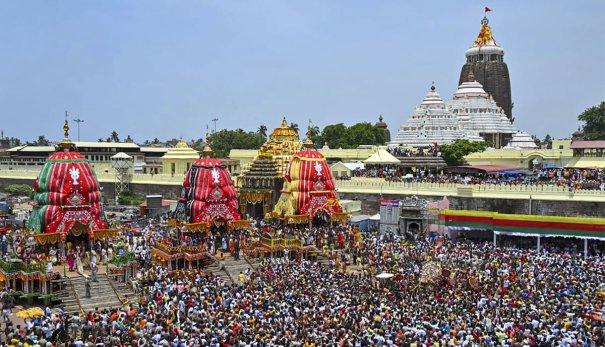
<point x="232" y="246"/>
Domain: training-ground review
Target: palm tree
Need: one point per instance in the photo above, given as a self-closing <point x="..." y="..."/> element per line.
<point x="294" y="127"/>
<point x="156" y="141"/>
<point x="114" y="136"/>
<point x="146" y="143"/>
<point x="314" y="130"/>
<point x="262" y="130"/>
<point x="100" y="139"/>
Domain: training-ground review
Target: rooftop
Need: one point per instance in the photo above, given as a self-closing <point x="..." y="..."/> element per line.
<point x="585" y="144"/>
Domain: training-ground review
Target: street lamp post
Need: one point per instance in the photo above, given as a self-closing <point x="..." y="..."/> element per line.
<point x="214" y="120"/>
<point x="78" y="120"/>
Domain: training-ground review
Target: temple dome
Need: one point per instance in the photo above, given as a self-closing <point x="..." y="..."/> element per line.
<point x="470" y="88"/>
<point x="285" y="133"/>
<point x="181" y="144"/>
<point x="432" y="98"/>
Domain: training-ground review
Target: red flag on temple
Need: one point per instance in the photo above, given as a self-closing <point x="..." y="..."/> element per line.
<point x="487" y="9"/>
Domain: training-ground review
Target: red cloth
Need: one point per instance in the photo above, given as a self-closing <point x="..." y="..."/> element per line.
<point x="487" y="9"/>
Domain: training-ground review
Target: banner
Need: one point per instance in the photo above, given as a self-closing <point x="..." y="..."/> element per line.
<point x="392" y="203"/>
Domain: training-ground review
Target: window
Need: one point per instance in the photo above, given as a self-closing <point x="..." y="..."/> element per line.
<point x="560" y="146"/>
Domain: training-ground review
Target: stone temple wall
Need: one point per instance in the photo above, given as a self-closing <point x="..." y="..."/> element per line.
<point x="371" y="204"/>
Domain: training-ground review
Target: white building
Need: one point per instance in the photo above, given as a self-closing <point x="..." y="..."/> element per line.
<point x="432" y="122"/>
<point x="521" y="140"/>
<point x="478" y="113"/>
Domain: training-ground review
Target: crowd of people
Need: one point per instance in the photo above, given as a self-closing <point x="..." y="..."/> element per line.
<point x="590" y="179"/>
<point x="442" y="293"/>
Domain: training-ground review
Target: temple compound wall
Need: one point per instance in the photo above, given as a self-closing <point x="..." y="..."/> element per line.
<point x="371" y="204"/>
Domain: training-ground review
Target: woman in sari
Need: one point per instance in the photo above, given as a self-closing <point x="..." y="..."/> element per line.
<point x="79" y="267"/>
<point x="71" y="261"/>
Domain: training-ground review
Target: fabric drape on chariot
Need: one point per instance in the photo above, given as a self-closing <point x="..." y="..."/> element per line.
<point x="309" y="176"/>
<point x="67" y="182"/>
<point x="208" y="193"/>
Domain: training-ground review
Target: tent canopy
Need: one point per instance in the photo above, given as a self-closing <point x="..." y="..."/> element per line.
<point x="382" y="157"/>
<point x="375" y="217"/>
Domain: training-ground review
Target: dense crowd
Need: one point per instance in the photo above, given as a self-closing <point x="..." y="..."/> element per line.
<point x="591" y="179"/>
<point x="442" y="293"/>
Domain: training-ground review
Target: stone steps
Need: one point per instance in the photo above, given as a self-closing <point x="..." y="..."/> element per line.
<point x="102" y="295"/>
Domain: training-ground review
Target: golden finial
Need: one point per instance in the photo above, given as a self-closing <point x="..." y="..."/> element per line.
<point x="284" y="123"/>
<point x="308" y="142"/>
<point x="66" y="126"/>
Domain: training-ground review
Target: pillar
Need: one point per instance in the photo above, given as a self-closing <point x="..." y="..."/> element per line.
<point x="538" y="243"/>
<point x="495" y="238"/>
<point x="585" y="248"/>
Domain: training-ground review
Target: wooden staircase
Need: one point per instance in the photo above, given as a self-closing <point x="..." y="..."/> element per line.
<point x="232" y="268"/>
<point x="104" y="294"/>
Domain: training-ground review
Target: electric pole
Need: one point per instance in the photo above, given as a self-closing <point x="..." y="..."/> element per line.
<point x="78" y="120"/>
<point x="214" y="120"/>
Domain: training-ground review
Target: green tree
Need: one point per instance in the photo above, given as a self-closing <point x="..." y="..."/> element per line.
<point x="42" y="141"/>
<point x="294" y="127"/>
<point x="156" y="141"/>
<point x="594" y="122"/>
<point x="262" y="129"/>
<point x="547" y="139"/>
<point x="146" y="143"/>
<point x="20" y="190"/>
<point x="360" y="134"/>
<point x="108" y="139"/>
<point x="100" y="139"/>
<point x="339" y="136"/>
<point x="224" y="140"/>
<point x="15" y="141"/>
<point x="315" y="131"/>
<point x="114" y="136"/>
<point x="453" y="154"/>
<point x="128" y="138"/>
<point x="198" y="144"/>
<point x="333" y="135"/>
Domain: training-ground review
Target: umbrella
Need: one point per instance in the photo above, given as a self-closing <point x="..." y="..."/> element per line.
<point x="384" y="275"/>
<point x="30" y="313"/>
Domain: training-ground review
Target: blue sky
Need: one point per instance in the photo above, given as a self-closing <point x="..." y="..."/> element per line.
<point x="165" y="68"/>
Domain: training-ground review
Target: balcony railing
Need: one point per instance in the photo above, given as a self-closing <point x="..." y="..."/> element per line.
<point x="11" y="267"/>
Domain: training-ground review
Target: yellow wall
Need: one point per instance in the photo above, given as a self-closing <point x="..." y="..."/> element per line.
<point x="523" y="157"/>
<point x="179" y="166"/>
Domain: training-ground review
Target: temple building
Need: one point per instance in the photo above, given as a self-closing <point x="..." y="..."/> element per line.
<point x="263" y="178"/>
<point x="485" y="59"/>
<point x="179" y="159"/>
<point x="432" y="123"/>
<point x="382" y="125"/>
<point x="521" y="140"/>
<point x="478" y="113"/>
